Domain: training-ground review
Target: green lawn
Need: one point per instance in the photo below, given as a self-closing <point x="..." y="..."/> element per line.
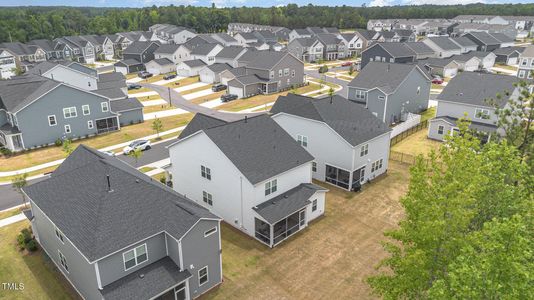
<point x="146" y="169"/>
<point x="36" y="271"/>
<point x="428" y="114"/>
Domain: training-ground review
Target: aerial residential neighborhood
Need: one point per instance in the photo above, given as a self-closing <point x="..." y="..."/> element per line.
<point x="275" y="151"/>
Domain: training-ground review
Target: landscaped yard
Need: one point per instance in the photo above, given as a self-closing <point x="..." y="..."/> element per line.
<point x="36" y="271"/>
<point x="11" y="212"/>
<point x="416" y="144"/>
<point x="507" y="67"/>
<point x="156" y="108"/>
<point x="127" y="133"/>
<point x="207" y="98"/>
<point x="328" y="260"/>
<point x="182" y="82"/>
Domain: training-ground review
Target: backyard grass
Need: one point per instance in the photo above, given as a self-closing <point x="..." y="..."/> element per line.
<point x="328" y="260"/>
<point x="156" y="108"/>
<point x="428" y="114"/>
<point x="148" y="98"/>
<point x="11" y="212"/>
<point x="198" y="89"/>
<point x="207" y="98"/>
<point x="437" y="86"/>
<point x="417" y="143"/>
<point x="159" y="176"/>
<point x="36" y="271"/>
<point x="126" y="134"/>
<point x="33" y="173"/>
<point x="182" y="82"/>
<point x="146" y="169"/>
<point x="131" y="75"/>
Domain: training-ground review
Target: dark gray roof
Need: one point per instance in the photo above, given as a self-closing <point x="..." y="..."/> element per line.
<point x="200" y="122"/>
<point x="445" y="43"/>
<point x="248" y="79"/>
<point x="483" y="37"/>
<point x="301" y="31"/>
<point x="79" y="67"/>
<point x="218" y="68"/>
<point x="474" y="88"/>
<point x="128" y="62"/>
<point x="115" y="80"/>
<point x="208" y="38"/>
<point x="157" y="277"/>
<point x="258" y="147"/>
<point x="248" y="35"/>
<point x="22" y="90"/>
<point x="328" y="38"/>
<point x="162" y="61"/>
<point x="463" y="41"/>
<point x="305" y="41"/>
<point x="403" y="32"/>
<point x="18" y="48"/>
<point x="230" y="52"/>
<point x="195" y="63"/>
<point x="474" y="125"/>
<point x="46" y="45"/>
<point x="288" y="203"/>
<point x="351" y="121"/>
<point x="42" y="67"/>
<point x="396" y="49"/>
<point x="99" y="222"/>
<point x="203" y="49"/>
<point x="315" y="30"/>
<point x="137" y="47"/>
<point x="225" y="37"/>
<point x="266" y="59"/>
<point x="387" y="34"/>
<point x="501" y="37"/>
<point x="7" y="129"/>
<point x="125" y="104"/>
<point x="366" y="34"/>
<point x="419" y="47"/>
<point x="385" y="76"/>
<point x="434" y="62"/>
<point x="111" y="93"/>
<point x="508" y="50"/>
<point x="167" y="49"/>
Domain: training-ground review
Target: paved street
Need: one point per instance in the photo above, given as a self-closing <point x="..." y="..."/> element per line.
<point x="317" y="75"/>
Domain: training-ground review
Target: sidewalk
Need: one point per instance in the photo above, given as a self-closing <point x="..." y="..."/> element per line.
<point x="13" y="219"/>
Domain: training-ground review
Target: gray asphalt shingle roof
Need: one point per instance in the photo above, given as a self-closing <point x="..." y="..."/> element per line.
<point x="396" y="49"/>
<point x="267" y="59"/>
<point x="288" y="203"/>
<point x="385" y="76"/>
<point x="125" y="104"/>
<point x="203" y="49"/>
<point x="258" y="147"/>
<point x="483" y="37"/>
<point x="474" y="88"/>
<point x="351" y="121"/>
<point x="21" y="91"/>
<point x="167" y="49"/>
<point x="419" y="47"/>
<point x="463" y="41"/>
<point x="99" y="222"/>
<point x="445" y="43"/>
<point x="230" y="52"/>
<point x="195" y="63"/>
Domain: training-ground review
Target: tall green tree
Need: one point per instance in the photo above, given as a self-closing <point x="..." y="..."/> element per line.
<point x="157" y="126"/>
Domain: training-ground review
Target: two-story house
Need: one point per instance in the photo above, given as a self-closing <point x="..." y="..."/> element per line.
<point x="299" y="33"/>
<point x="268" y="72"/>
<point x="350" y="144"/>
<point x="25" y="55"/>
<point x="49" y="48"/>
<point x="422" y="51"/>
<point x="467" y="95"/>
<point x="388" y="52"/>
<point x="353" y="42"/>
<point x="485" y="41"/>
<point x="244" y="38"/>
<point x="443" y="46"/>
<point x="225" y="39"/>
<point x="8" y="64"/>
<point x="526" y="63"/>
<point x="206" y="52"/>
<point x="308" y="49"/>
<point x="115" y="233"/>
<point x="250" y="172"/>
<point x="230" y="55"/>
<point x="143" y="52"/>
<point x="334" y="47"/>
<point x="391" y="91"/>
<point x="82" y="50"/>
<point x="168" y="51"/>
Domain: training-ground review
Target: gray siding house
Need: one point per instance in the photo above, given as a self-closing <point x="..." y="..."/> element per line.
<point x="350" y="145"/>
<point x="388" y="52"/>
<point x="391" y="91"/>
<point x="123" y="235"/>
<point x="308" y="49"/>
<point x="467" y="94"/>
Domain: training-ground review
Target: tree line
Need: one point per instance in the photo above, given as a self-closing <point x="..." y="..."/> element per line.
<point x="28" y="23"/>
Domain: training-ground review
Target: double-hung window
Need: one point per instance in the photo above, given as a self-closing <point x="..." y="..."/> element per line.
<point x="207" y="198"/>
<point x="302" y="140"/>
<point x="85" y="109"/>
<point x="270" y="187"/>
<point x="67" y="129"/>
<point x="52" y="120"/>
<point x="202" y="276"/>
<point x="440" y="129"/>
<point x="292" y="73"/>
<point x="314" y="205"/>
<point x="364" y="150"/>
<point x="280" y="73"/>
<point x="69" y="112"/>
<point x="63" y="261"/>
<point x="360" y="94"/>
<point x="134" y="257"/>
<point x="105" y="106"/>
<point x="481" y="113"/>
<point x="286" y="72"/>
<point x="205" y="172"/>
<point x="90" y="124"/>
<point x="377" y="165"/>
<point x="314" y="166"/>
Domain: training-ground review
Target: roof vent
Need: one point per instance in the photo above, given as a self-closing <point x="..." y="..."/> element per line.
<point x="109" y="184"/>
<point x="141" y="275"/>
<point x="286" y="196"/>
<point x="137" y="181"/>
<point x="246" y="118"/>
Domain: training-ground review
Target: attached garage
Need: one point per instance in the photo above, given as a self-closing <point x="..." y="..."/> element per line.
<point x="160" y="66"/>
<point x="236" y="90"/>
<point x="212" y="74"/>
<point x="508" y="56"/>
<point x="190" y="68"/>
<point x="127" y="66"/>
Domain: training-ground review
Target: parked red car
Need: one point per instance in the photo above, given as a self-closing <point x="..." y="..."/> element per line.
<point x="346" y="64"/>
<point x="437" y="80"/>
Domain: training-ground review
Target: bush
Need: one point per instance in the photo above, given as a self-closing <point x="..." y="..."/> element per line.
<point x="31" y="245"/>
<point x="163" y="180"/>
<point x="6" y="152"/>
<point x="24" y="238"/>
<point x="58" y="142"/>
<point x="323" y="69"/>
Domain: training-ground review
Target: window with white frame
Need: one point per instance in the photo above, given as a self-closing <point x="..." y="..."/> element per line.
<point x="207" y="198"/>
<point x="377" y="165"/>
<point x="205" y="172"/>
<point x="63" y="261"/>
<point x="105" y="106"/>
<point x="271" y="74"/>
<point x="524" y="62"/>
<point x="210" y="231"/>
<point x="358" y="94"/>
<point x="521" y="74"/>
<point x="292" y="73"/>
<point x="85" y="110"/>
<point x="441" y="129"/>
<point x="202" y="276"/>
<point x="364" y="150"/>
<point x="280" y="73"/>
<point x="52" y="120"/>
<point x="302" y="140"/>
<point x="134" y="257"/>
<point x="481" y="113"/>
<point x="90" y="124"/>
<point x="314" y="166"/>
<point x="67" y="128"/>
<point x="69" y="112"/>
<point x="270" y="187"/>
<point x="286" y="72"/>
<point x="59" y="235"/>
<point x="314" y="205"/>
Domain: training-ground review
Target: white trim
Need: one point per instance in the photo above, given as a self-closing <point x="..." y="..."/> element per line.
<point x="134" y="250"/>
<point x="69" y="69"/>
<point x="106" y="105"/>
<point x="166" y="246"/>
<point x="88" y="109"/>
<point x="210" y="231"/>
<point x="90" y="124"/>
<point x="180" y="253"/>
<point x="67" y="126"/>
<point x="55" y="120"/>
<point x="207" y="276"/>
<point x="71" y="115"/>
<point x="98" y="280"/>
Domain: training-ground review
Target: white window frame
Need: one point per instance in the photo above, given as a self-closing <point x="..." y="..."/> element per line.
<point x="90" y="124"/>
<point x="205" y="172"/>
<point x="441" y="129"/>
<point x="68" y="129"/>
<point x="207" y="198"/>
<point x="364" y="150"/>
<point x="55" y="120"/>
<point x="286" y="72"/>
<point x="271" y="74"/>
<point x="207" y="276"/>
<point x="480" y="112"/>
<point x="70" y="111"/>
<point x="271" y="187"/>
<point x="134" y="250"/>
<point x="210" y="231"/>
<point x="302" y="140"/>
<point x="292" y="73"/>
<point x="88" y="109"/>
<point x="521" y="74"/>
<point x="104" y="106"/>
<point x="314" y="166"/>
<point x="280" y="73"/>
<point x="314" y="205"/>
<point x="359" y="94"/>
<point x="59" y="235"/>
<point x="524" y="62"/>
<point x="63" y="261"/>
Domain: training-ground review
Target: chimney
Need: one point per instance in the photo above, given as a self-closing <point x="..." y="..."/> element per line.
<point x="109" y="184"/>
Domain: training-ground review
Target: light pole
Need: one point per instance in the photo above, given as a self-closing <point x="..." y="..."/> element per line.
<point x="170" y="99"/>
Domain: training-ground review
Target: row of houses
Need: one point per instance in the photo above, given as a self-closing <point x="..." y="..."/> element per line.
<point x="63" y="100"/>
<point x="254" y="174"/>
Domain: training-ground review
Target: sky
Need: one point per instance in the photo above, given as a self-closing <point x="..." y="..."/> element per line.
<point x="230" y="3"/>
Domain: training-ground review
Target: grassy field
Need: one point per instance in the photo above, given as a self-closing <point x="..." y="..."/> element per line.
<point x="36" y="271"/>
<point x="416" y="144"/>
<point x="182" y="82"/>
<point x="428" y="114"/>
<point x="127" y="133"/>
<point x="156" y="108"/>
<point x="328" y="260"/>
<point x="198" y="89"/>
<point x="12" y="212"/>
<point x="146" y="169"/>
<point x="207" y="98"/>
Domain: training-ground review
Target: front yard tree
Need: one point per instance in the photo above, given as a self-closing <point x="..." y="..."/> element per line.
<point x="136" y="155"/>
<point x="351" y="70"/>
<point x="18" y="183"/>
<point x="451" y="204"/>
<point x="157" y="126"/>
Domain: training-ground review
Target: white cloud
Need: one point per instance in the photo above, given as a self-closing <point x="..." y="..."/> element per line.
<point x="442" y="2"/>
<point x="381" y="3"/>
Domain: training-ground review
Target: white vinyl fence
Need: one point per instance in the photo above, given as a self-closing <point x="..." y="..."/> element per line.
<point x="412" y="120"/>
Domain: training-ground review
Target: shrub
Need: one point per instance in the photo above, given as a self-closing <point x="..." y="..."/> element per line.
<point x="31" y="245"/>
<point x="58" y="142"/>
<point x="163" y="180"/>
<point x="323" y="69"/>
<point x="24" y="238"/>
<point x="6" y="152"/>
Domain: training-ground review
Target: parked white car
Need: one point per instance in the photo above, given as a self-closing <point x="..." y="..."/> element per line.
<point x="110" y="153"/>
<point x="139" y="144"/>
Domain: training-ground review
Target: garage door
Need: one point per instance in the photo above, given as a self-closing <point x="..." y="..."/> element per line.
<point x="122" y="70"/>
<point x="154" y="71"/>
<point x="182" y="72"/>
<point x="236" y="91"/>
<point x="450" y="72"/>
<point x="206" y="77"/>
<point x="512" y="61"/>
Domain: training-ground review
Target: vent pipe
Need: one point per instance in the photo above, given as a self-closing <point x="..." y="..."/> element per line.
<point x="109" y="184"/>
